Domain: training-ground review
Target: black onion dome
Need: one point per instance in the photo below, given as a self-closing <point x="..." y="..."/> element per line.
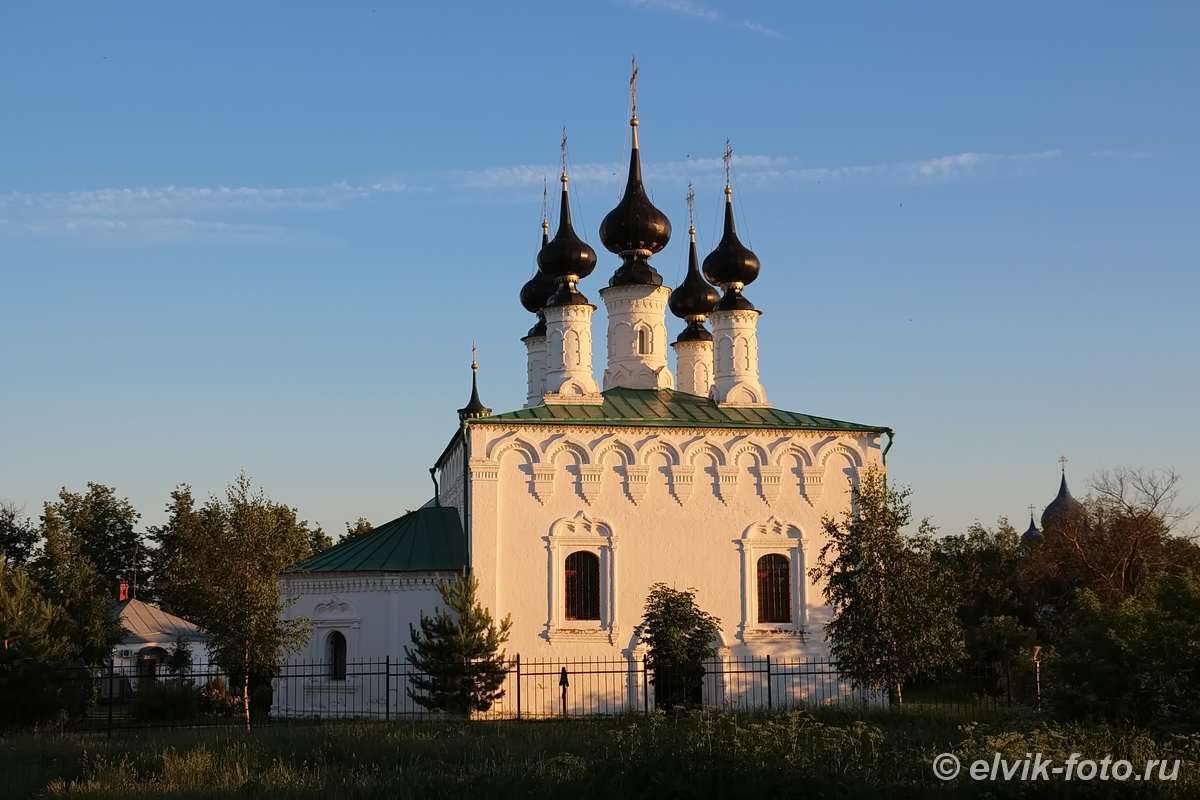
<point x="695" y="296"/>
<point x="635" y="229"/>
<point x="731" y="261"/>
<point x="537" y="290"/>
<point x="695" y="332"/>
<point x="734" y="300"/>
<point x="1063" y="509"/>
<point x="566" y="254"/>
<point x="1031" y="535"/>
<point x="475" y="407"/>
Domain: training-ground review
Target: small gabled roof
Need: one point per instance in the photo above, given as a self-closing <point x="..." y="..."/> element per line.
<point x="425" y="540"/>
<point x="666" y="407"/>
<point x="149" y="624"/>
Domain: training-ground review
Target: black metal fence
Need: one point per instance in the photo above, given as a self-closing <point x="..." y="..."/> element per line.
<point x="383" y="689"/>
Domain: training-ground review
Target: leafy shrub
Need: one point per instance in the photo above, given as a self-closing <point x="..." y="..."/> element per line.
<point x="216" y="701"/>
<point x="165" y="701"/>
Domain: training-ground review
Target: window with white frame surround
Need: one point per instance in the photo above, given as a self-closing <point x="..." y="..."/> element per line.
<point x="334" y="616"/>
<point x="773" y="574"/>
<point x="581" y="596"/>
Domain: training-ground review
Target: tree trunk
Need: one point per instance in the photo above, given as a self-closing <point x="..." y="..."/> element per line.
<point x="246" y="686"/>
<point x="895" y="695"/>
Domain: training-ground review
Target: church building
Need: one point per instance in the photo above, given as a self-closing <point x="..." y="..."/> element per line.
<point x="569" y="509"/>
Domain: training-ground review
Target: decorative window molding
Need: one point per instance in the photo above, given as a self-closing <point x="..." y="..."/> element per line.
<point x="581" y="533"/>
<point x="334" y="616"/>
<point x="773" y="537"/>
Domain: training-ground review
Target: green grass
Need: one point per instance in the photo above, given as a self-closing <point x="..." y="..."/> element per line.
<point x="713" y="754"/>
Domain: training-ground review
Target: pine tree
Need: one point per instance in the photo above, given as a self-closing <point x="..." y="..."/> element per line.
<point x="457" y="653"/>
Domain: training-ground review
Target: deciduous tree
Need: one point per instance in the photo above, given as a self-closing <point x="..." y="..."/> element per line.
<point x="681" y="637"/>
<point x="357" y="529"/>
<point x="994" y="610"/>
<point x="457" y="652"/>
<point x="104" y="527"/>
<point x="893" y="610"/>
<point x="1127" y="532"/>
<point x="18" y="535"/>
<point x="69" y="579"/>
<point x="220" y="569"/>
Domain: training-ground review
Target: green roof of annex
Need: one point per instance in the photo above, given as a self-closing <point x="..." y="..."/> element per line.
<point x="429" y="539"/>
<point x="669" y="408"/>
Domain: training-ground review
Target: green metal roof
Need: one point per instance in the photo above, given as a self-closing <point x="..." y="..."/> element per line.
<point x="424" y="540"/>
<point x="640" y="407"/>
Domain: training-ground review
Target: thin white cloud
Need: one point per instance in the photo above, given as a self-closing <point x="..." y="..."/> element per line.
<point x="176" y="213"/>
<point x="763" y="29"/>
<point x="685" y="8"/>
<point x="767" y="170"/>
<point x="173" y="212"/>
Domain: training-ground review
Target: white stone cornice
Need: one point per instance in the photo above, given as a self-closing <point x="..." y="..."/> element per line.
<point x="589" y="481"/>
<point x="727" y="481"/>
<point x="543" y="481"/>
<point x="636" y="481"/>
<point x="683" y="482"/>
<point x="768" y="483"/>
<point x="293" y="584"/>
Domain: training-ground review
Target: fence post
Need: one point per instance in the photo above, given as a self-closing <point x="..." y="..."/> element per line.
<point x="110" y="694"/>
<point x="769" y="699"/>
<point x="518" y="685"/>
<point x="387" y="687"/>
<point x="645" y="688"/>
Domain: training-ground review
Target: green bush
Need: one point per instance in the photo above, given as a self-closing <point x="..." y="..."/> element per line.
<point x="216" y="701"/>
<point x="1138" y="661"/>
<point x="165" y="701"/>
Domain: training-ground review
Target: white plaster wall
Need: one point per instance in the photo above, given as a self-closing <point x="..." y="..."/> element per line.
<point x="373" y="611"/>
<point x="677" y="506"/>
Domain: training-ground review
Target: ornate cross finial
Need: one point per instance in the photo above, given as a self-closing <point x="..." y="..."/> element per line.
<point x="728" y="159"/>
<point x="691" y="201"/>
<point x="474" y="363"/>
<point x="1031" y="507"/>
<point x="545" y="202"/>
<point x="633" y="89"/>
<point x="1062" y="462"/>
<point x="564" y="151"/>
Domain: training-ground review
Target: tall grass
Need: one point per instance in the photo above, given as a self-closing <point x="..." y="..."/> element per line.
<point x="702" y="754"/>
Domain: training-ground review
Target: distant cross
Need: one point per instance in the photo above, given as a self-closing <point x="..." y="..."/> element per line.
<point x="1031" y="507"/>
<point x="728" y="159"/>
<point x="691" y="201"/>
<point x="1062" y="462"/>
<point x="474" y="365"/>
<point x="564" y="151"/>
<point x="633" y="89"/>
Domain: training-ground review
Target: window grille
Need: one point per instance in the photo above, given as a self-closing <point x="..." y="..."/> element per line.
<point x="774" y="589"/>
<point x="583" y="585"/>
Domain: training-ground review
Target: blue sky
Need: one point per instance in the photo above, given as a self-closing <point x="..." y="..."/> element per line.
<point x="263" y="236"/>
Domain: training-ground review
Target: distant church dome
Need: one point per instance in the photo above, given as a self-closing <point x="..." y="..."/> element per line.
<point x="635" y="229"/>
<point x="1031" y="535"/>
<point x="1063" y="509"/>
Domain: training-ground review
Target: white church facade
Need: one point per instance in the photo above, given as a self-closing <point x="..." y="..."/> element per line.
<point x="569" y="509"/>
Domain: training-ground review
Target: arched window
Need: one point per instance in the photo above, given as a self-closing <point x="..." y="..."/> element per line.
<point x="774" y="589"/>
<point x="645" y="343"/>
<point x="335" y="654"/>
<point x="583" y="585"/>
